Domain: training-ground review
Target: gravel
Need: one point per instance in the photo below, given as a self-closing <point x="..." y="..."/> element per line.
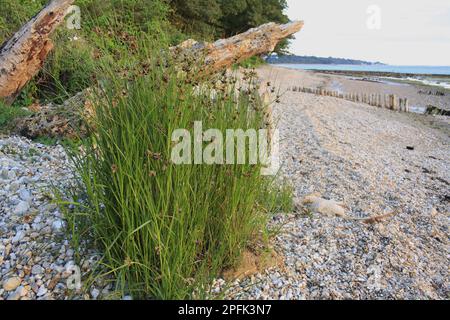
<point x="34" y="247"/>
<point x="358" y="154"/>
<point x="347" y="152"/>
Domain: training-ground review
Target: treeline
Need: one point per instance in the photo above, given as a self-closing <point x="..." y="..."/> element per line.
<point x="202" y="19"/>
<point x="292" y="59"/>
<point x="224" y="18"/>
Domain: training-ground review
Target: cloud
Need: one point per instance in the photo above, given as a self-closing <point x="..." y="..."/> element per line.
<point x="412" y="32"/>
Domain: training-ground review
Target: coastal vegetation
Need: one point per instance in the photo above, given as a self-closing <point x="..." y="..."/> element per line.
<point x="167" y="230"/>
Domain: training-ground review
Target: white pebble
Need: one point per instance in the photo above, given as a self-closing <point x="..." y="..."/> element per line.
<point x="25" y="195"/>
<point x="18" y="237"/>
<point x="57" y="225"/>
<point x="21" y="208"/>
<point x="42" y="290"/>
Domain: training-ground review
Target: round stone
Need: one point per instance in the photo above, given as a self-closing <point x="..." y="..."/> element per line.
<point x="11" y="283"/>
<point x="57" y="225"/>
<point x="22" y="208"/>
<point x="42" y="291"/>
<point x="18" y="237"/>
<point x="25" y="195"/>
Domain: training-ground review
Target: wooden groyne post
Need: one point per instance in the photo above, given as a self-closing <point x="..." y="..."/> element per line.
<point x="388" y="101"/>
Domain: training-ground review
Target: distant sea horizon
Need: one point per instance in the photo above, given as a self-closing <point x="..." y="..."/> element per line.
<point x="419" y="70"/>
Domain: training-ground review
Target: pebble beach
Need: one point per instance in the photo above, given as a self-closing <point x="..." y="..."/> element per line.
<point x="374" y="160"/>
<point x="36" y="258"/>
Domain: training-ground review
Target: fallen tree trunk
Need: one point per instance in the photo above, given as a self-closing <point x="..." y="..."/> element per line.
<point x="65" y="120"/>
<point x="24" y="54"/>
<point x="225" y="52"/>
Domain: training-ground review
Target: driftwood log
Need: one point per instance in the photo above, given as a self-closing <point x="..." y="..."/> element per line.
<point x="223" y="53"/>
<point x="24" y="54"/>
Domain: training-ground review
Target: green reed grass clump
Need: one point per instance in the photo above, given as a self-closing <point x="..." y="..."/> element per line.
<point x="166" y="230"/>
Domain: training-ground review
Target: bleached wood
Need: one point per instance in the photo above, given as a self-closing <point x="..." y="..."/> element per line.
<point x="24" y="54"/>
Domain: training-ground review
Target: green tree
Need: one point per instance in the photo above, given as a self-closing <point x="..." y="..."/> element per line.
<point x="197" y="17"/>
<point x="13" y="14"/>
<point x="241" y="15"/>
<point x="209" y="19"/>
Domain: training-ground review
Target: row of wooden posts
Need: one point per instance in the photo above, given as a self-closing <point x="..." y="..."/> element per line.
<point x="389" y="101"/>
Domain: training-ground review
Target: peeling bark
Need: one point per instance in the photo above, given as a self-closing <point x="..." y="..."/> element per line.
<point x="24" y="54"/>
<point x="225" y="52"/>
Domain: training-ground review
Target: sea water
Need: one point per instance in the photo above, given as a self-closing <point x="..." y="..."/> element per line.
<point x="421" y="71"/>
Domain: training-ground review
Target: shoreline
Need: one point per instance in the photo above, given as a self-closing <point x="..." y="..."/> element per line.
<point x="419" y="95"/>
<point x="366" y="73"/>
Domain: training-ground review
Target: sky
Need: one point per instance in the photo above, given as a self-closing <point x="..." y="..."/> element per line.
<point x="397" y="32"/>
